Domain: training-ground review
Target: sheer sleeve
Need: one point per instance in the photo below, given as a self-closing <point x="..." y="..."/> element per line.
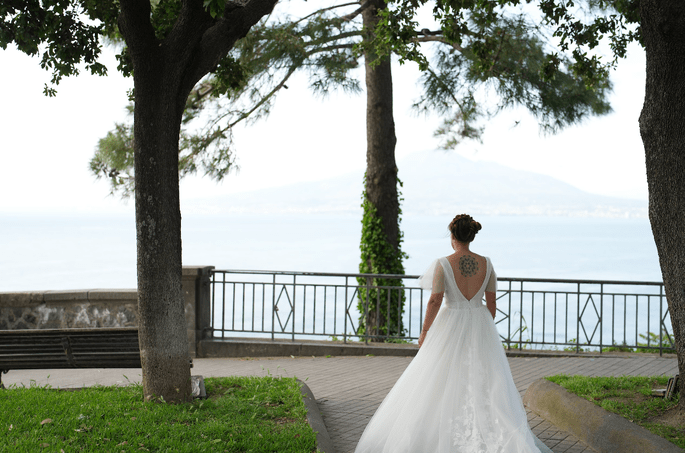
<point x="492" y="282"/>
<point x="433" y="278"/>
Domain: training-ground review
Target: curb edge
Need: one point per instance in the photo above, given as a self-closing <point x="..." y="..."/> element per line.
<point x="598" y="428"/>
<point x="315" y="420"/>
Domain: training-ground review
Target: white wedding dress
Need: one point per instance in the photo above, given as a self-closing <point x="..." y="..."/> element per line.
<point x="457" y="394"/>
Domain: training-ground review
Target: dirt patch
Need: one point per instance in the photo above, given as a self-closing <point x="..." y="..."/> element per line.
<point x="673" y="417"/>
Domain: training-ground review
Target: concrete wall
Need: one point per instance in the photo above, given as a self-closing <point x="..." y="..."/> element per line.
<point x="103" y="307"/>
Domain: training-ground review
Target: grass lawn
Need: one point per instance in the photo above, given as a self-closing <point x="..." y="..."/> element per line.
<point x="241" y="414"/>
<point x="631" y="397"/>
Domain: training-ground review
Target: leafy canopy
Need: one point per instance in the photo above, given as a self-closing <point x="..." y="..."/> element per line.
<point x="243" y="87"/>
<point x="482" y="48"/>
<point x="576" y="26"/>
<point x="64" y="33"/>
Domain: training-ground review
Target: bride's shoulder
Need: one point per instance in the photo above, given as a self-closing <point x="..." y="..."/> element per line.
<point x="483" y="258"/>
<point x="478" y="256"/>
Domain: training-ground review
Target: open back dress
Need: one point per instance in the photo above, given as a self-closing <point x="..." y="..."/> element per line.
<point x="457" y="394"/>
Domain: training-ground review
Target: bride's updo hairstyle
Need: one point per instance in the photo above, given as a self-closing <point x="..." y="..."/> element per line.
<point x="464" y="228"/>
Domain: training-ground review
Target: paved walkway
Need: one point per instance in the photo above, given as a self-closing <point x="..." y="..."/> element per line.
<point x="349" y="389"/>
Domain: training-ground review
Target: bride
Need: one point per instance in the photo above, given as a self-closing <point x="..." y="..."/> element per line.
<point x="457" y="394"/>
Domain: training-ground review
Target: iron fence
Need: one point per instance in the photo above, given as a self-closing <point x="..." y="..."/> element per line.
<point x="572" y="315"/>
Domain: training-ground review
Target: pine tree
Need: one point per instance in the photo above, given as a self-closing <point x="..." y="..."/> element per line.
<point x="503" y="54"/>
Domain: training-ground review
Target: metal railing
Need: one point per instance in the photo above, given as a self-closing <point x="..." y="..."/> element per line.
<point x="572" y="315"/>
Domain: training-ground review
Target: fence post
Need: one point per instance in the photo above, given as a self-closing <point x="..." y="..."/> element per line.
<point x="273" y="309"/>
<point x="601" y="317"/>
<point x="294" y="299"/>
<point x="578" y="319"/>
<point x="509" y="320"/>
<point x="366" y="321"/>
<point x="661" y="321"/>
<point x="197" y="301"/>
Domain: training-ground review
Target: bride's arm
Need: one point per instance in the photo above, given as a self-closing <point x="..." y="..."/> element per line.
<point x="491" y="294"/>
<point x="432" y="309"/>
<point x="437" y="291"/>
<point x="491" y="302"/>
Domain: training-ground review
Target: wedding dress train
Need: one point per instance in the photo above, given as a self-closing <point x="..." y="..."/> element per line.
<point x="457" y="394"/>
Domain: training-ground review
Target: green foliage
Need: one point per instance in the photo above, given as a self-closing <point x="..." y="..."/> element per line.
<point x="384" y="296"/>
<point x="114" y="159"/>
<point x="593" y="388"/>
<point x="114" y="156"/>
<point x="630" y="397"/>
<point x="574" y="341"/>
<point x="577" y="26"/>
<point x="485" y="47"/>
<point x="623" y="347"/>
<point x="230" y="78"/>
<point x="481" y="45"/>
<point x="615" y="20"/>
<point x="651" y="343"/>
<point x="55" y="30"/>
<point x="240" y="414"/>
<point x="398" y="341"/>
<point x="243" y="86"/>
<point x="215" y="7"/>
<point x="163" y="17"/>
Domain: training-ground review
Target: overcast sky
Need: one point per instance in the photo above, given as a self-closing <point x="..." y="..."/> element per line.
<point x="47" y="142"/>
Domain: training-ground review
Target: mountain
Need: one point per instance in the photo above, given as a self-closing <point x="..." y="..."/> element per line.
<point x="435" y="184"/>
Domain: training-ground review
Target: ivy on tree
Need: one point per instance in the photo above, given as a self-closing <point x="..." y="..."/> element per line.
<point x="381" y="299"/>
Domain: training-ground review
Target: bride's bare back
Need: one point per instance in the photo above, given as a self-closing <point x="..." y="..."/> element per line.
<point x="469" y="271"/>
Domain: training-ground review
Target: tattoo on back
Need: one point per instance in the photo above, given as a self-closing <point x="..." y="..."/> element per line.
<point x="468" y="266"/>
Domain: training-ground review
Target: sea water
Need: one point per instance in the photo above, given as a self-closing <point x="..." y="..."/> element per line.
<point x="85" y="251"/>
<point x="80" y="251"/>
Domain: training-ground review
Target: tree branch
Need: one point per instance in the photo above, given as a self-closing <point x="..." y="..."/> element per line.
<point x="356" y="13"/>
<point x="330" y="8"/>
<point x="280" y="85"/>
<point x="329" y="48"/>
<point x="349" y="34"/>
<point x="499" y="51"/>
<point x="427" y="32"/>
<point x="442" y="40"/>
<point x="221" y="37"/>
<point x="446" y="89"/>
<point x="134" y="24"/>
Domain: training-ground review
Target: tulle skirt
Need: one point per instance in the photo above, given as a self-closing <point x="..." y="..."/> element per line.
<point x="457" y="395"/>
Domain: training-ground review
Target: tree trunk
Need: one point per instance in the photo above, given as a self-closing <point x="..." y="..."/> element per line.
<point x="164" y="73"/>
<point x="162" y="326"/>
<point x="662" y="127"/>
<point x="381" y="169"/>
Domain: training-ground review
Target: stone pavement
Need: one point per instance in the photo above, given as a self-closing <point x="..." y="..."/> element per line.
<point x="349" y="389"/>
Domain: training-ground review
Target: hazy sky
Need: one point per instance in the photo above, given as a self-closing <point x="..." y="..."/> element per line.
<point x="47" y="142"/>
